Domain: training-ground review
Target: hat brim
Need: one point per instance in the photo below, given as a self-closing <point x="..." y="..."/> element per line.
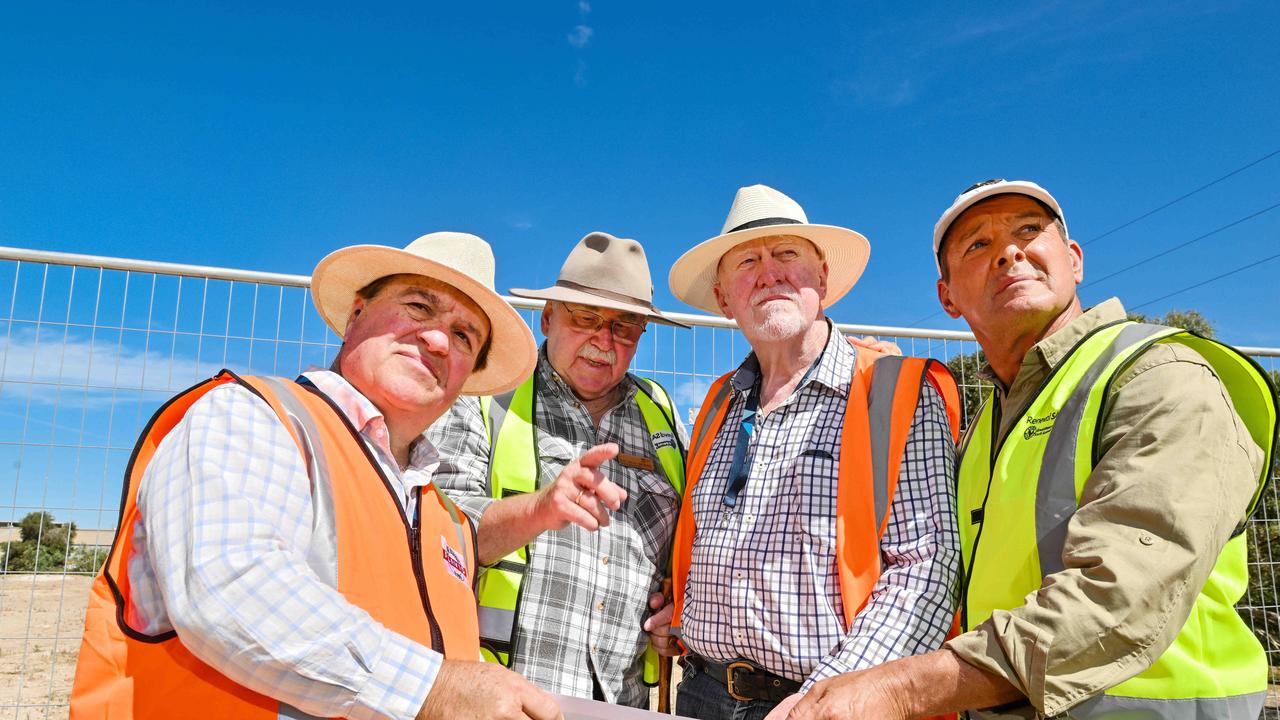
<point x="846" y="253"/>
<point x="512" y="351"/>
<point x="579" y="297"/>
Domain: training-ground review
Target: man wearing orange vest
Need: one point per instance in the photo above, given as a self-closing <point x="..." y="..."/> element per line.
<point x="817" y="533"/>
<point x="281" y="551"/>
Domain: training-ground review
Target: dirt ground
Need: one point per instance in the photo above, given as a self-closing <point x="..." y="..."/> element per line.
<point x="41" y="619"/>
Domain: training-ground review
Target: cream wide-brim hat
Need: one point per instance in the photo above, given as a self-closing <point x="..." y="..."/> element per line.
<point x="458" y="259"/>
<point x="760" y="211"/>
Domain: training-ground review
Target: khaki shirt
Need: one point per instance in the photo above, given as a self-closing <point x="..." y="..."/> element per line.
<point x="1177" y="474"/>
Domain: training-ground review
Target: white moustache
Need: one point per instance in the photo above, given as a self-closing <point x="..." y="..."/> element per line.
<point x="594" y="354"/>
<point x="780" y="289"/>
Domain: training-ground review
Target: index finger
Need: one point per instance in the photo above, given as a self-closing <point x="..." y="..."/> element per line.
<point x="598" y="455"/>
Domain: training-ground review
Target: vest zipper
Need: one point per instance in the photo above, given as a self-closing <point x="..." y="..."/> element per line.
<point x="415" y="552"/>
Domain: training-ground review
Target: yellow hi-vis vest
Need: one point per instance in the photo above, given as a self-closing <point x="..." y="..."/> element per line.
<point x="1015" y="504"/>
<point x="514" y="469"/>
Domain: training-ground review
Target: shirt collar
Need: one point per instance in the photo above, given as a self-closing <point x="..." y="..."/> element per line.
<point x="367" y="419"/>
<point x="1050" y="351"/>
<point x="832" y="369"/>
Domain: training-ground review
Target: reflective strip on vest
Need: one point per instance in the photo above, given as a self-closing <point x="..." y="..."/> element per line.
<point x="514" y="468"/>
<point x="1194" y="678"/>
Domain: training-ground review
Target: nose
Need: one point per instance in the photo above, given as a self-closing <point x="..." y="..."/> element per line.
<point x="770" y="272"/>
<point x="1011" y="254"/>
<point x="435" y="340"/>
<point x="603" y="338"/>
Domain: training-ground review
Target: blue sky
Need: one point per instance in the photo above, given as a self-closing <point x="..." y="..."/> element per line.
<point x="263" y="135"/>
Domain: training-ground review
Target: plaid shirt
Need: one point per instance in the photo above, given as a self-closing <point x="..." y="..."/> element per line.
<point x="220" y="555"/>
<point x="585" y="593"/>
<point x="763" y="583"/>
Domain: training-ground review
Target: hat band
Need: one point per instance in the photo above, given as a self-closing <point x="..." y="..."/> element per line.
<point x="763" y="222"/>
<point x="606" y="294"/>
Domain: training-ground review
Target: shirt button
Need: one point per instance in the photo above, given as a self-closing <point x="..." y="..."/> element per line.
<point x="600" y="605"/>
<point x="739" y="574"/>
<point x="605" y="560"/>
<point x="738" y="636"/>
<point x="1146" y="539"/>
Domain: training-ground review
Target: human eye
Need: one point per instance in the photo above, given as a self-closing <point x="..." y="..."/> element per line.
<point x="464" y="339"/>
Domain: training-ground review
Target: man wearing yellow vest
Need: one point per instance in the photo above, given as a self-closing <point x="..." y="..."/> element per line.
<point x="817" y="533"/>
<point x="1103" y="491"/>
<point x="281" y="551"/>
<point x="573" y="480"/>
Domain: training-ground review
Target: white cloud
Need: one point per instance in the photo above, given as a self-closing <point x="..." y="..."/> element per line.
<point x="584" y="7"/>
<point x="51" y="365"/>
<point x="580" y="77"/>
<point x="691" y="392"/>
<point x="580" y="36"/>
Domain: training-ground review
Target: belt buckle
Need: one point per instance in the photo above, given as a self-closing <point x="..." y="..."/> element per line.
<point x="728" y="679"/>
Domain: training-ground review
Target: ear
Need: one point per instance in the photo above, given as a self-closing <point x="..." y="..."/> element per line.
<point x="822" y="277"/>
<point x="1077" y="260"/>
<point x="944" y="297"/>
<point x="720" y="301"/>
<point x="357" y="306"/>
<point x="545" y="319"/>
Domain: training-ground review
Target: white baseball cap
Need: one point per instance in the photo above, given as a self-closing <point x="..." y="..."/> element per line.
<point x="981" y="191"/>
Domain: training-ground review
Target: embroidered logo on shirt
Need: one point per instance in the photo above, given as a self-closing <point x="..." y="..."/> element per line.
<point x="453" y="561"/>
<point x="1039" y="425"/>
<point x="663" y="439"/>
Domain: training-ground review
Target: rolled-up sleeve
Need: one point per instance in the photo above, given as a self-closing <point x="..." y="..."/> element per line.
<point x="1176" y="476"/>
<point x="462" y="441"/>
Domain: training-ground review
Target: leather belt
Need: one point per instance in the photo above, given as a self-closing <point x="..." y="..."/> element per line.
<point x="745" y="680"/>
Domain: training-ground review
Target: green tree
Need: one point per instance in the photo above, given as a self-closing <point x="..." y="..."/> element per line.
<point x="44" y="546"/>
<point x="1186" y="319"/>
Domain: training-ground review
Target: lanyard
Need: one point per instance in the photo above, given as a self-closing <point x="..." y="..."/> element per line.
<point x="738" y="473"/>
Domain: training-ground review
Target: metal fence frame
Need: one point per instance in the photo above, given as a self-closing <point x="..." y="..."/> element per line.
<point x="685" y="360"/>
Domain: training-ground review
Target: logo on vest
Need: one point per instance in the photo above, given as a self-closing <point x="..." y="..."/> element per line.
<point x="1039" y="425"/>
<point x="663" y="439"/>
<point x="453" y="561"/>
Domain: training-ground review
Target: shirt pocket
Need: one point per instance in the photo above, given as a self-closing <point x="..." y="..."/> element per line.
<point x="652" y="508"/>
<point x="815" y="476"/>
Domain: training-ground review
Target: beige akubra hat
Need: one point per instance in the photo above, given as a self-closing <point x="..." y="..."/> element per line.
<point x="608" y="272"/>
<point x="458" y="259"/>
<point x="760" y="211"/>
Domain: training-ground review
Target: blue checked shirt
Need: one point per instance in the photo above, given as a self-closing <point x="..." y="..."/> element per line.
<point x="220" y="556"/>
<point x="763" y="583"/>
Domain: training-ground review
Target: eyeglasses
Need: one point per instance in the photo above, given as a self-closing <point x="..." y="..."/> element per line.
<point x="624" y="332"/>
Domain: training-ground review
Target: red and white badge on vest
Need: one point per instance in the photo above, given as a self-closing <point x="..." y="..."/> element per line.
<point x="453" y="561"/>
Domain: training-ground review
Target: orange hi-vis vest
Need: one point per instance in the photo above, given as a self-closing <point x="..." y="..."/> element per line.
<point x="417" y="579"/>
<point x="882" y="403"/>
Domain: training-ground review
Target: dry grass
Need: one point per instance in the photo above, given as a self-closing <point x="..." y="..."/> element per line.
<point x="41" y="619"/>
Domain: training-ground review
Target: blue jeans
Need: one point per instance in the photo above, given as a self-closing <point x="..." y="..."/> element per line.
<point x="700" y="696"/>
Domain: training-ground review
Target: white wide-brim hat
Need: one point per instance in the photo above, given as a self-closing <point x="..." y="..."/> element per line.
<point x="458" y="259"/>
<point x="760" y="211"/>
<point x="978" y="192"/>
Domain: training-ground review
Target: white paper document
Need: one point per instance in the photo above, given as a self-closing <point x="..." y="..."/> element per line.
<point x="579" y="709"/>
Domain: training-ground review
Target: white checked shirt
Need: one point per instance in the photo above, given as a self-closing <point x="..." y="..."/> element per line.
<point x="764" y="584"/>
<point x="220" y="556"/>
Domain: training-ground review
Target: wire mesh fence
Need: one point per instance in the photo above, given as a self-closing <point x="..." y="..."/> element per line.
<point x="90" y="347"/>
